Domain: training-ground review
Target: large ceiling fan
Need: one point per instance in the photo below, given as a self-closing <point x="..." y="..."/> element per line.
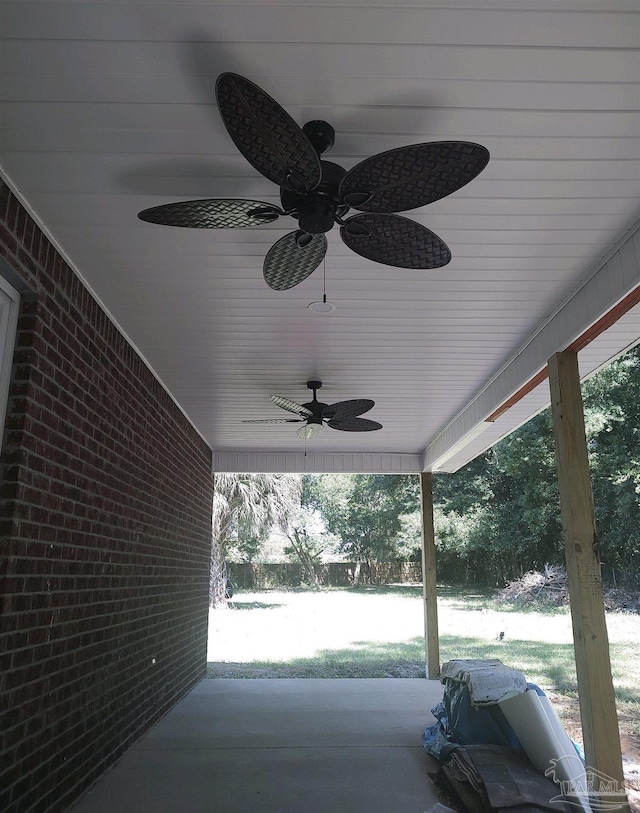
<point x="314" y="415"/>
<point x="319" y="194"/>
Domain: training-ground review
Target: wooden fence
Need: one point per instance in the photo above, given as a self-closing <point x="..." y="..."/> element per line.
<point x="250" y="576"/>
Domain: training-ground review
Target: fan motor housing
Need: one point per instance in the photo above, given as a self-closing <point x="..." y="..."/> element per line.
<point x="316" y="210"/>
<point x="321" y="135"/>
<point x="317" y="409"/>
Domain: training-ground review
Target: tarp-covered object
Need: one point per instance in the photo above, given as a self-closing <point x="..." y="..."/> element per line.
<point x="484" y="763"/>
<point x="491" y="778"/>
<point x="488" y="680"/>
<point x="468" y="714"/>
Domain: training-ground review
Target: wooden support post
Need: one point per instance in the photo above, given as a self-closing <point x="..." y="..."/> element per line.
<point x="595" y="686"/>
<point x="429" y="593"/>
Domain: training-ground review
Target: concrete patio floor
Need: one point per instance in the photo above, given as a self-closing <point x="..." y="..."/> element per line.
<point x="291" y="746"/>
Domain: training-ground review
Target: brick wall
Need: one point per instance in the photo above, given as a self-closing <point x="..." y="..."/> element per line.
<point x="106" y="526"/>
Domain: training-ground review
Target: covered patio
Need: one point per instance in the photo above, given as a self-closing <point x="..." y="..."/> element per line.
<point x="281" y="746"/>
<point x="139" y="360"/>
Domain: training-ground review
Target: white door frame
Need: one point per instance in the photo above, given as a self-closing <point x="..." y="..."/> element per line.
<point x="9" y="307"/>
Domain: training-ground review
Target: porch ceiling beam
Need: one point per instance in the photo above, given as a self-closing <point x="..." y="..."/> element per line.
<point x="615" y="278"/>
<point x="317" y="462"/>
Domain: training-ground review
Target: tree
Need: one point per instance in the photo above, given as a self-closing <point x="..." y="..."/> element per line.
<point x="245" y="508"/>
<point x="499" y="515"/>
<point x="612" y="413"/>
<point x="307" y="549"/>
<point x="364" y="511"/>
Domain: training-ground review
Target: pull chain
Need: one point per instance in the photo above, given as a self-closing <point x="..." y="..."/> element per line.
<point x="324" y="280"/>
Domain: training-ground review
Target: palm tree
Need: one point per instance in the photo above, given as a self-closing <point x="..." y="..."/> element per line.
<point x="246" y="507"/>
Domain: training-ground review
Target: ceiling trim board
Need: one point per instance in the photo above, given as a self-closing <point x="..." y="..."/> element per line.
<point x="604" y="323"/>
<point x="609" y="286"/>
<point x="316" y="463"/>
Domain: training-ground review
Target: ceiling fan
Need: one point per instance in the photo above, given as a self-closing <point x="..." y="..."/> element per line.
<point x="314" y="414"/>
<point x="319" y="194"/>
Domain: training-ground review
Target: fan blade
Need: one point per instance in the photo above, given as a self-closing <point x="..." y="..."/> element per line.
<point x="288" y="263"/>
<point x="408" y="177"/>
<point x="274" y="420"/>
<point x="216" y="213"/>
<point x="394" y="240"/>
<point x="291" y="406"/>
<point x="355" y="425"/>
<point x="348" y="409"/>
<point x="266" y="135"/>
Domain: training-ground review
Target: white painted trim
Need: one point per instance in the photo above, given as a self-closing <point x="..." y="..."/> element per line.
<point x="452" y="451"/>
<point x="616" y="277"/>
<point x="316" y="462"/>
<point x="9" y="308"/>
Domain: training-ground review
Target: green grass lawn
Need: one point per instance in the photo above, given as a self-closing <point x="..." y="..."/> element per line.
<point x="378" y="632"/>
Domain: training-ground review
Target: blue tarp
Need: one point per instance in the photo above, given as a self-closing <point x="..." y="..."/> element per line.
<point x="461" y="722"/>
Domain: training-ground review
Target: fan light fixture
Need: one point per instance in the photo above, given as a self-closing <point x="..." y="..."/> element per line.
<point x="344" y="415"/>
<point x="310" y="431"/>
<point x="319" y="194"/>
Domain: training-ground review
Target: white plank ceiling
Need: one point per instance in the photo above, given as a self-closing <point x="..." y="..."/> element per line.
<point x="109" y="108"/>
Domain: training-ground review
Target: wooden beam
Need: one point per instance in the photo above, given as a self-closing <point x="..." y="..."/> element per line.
<point x="605" y="322"/>
<point x="595" y="685"/>
<point x="429" y="593"/>
<point x="610" y="318"/>
<point x="518" y="395"/>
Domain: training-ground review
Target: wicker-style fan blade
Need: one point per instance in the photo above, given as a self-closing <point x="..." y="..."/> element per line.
<point x="354" y="425"/>
<point x="266" y="134"/>
<point x="413" y="176"/>
<point x="215" y="213"/>
<point x="291" y="406"/>
<point x="290" y="261"/>
<point x="394" y="240"/>
<point x="348" y="409"/>
<point x="274" y="420"/>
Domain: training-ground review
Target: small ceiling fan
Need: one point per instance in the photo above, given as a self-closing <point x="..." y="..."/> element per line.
<point x="319" y="194"/>
<point x="314" y="415"/>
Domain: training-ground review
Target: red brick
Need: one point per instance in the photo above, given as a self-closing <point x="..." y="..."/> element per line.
<point x="106" y="503"/>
